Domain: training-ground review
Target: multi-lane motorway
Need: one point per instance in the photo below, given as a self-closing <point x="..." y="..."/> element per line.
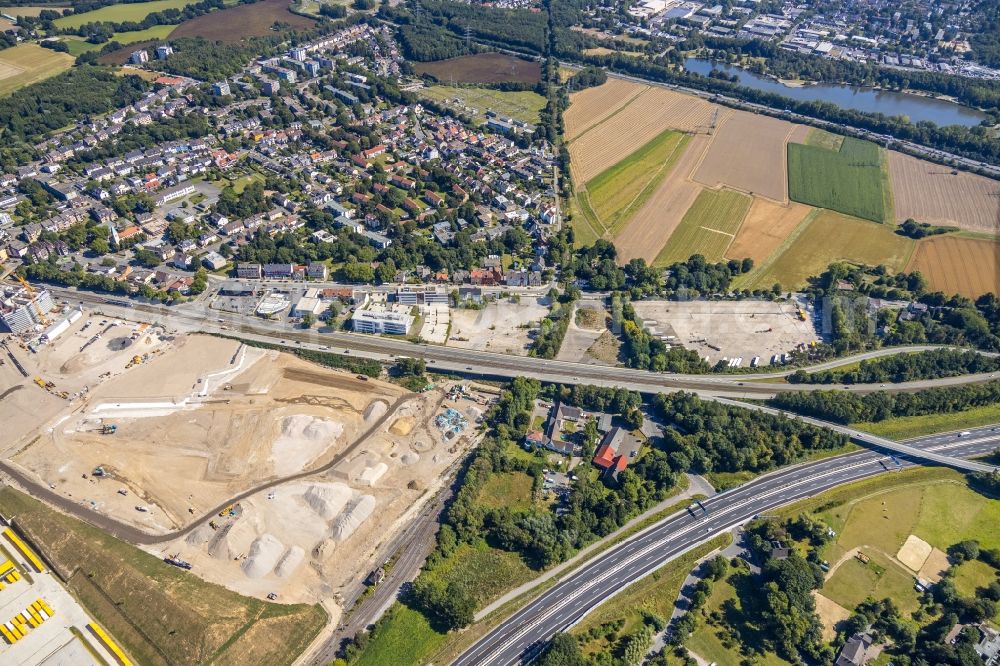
<point x="521" y="636"/>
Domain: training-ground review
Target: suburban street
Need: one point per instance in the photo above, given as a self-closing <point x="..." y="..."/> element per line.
<point x="522" y="635"/>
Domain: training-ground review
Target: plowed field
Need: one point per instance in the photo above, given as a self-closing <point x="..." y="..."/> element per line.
<point x="766" y="227"/>
<point x="748" y="154"/>
<point x="967" y="266"/>
<point x="931" y="193"/>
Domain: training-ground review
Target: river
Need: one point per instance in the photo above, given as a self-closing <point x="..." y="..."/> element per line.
<point x="915" y="107"/>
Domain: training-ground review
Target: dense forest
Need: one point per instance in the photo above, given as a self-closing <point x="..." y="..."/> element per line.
<point x="844" y="407"/>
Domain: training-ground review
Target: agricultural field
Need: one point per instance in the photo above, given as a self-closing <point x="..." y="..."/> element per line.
<point x="707" y="228"/>
<point x="632" y="126"/>
<point x="954" y="264"/>
<point x="25" y="64"/>
<point x="236" y="23"/>
<point x="117" y="13"/>
<point x="748" y="154"/>
<point x="78" y="45"/>
<point x="161" y="614"/>
<point x="613" y="196"/>
<point x="852" y="180"/>
<point x="648" y="230"/>
<point x="813" y="136"/>
<point x="481" y="68"/>
<point x="766" y="226"/>
<point x="522" y="105"/>
<point x="824" y="238"/>
<point x="928" y="192"/>
<point x="592" y="106"/>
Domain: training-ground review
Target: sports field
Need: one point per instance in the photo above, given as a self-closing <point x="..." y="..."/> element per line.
<point x="853" y="180"/>
<point x="821" y="240"/>
<point x="522" y="105"/>
<point x="613" y="196"/>
<point x="707" y="228"/>
<point x="954" y="264"/>
<point x="25" y="64"/>
<point x="134" y="11"/>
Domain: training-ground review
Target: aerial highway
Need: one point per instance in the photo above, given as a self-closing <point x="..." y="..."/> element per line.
<point x="521" y="637"/>
<point x="492" y="364"/>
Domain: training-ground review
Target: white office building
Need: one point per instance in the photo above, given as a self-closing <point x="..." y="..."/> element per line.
<point x="394" y="321"/>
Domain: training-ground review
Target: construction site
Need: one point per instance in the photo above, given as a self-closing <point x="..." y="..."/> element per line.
<point x="216" y="445"/>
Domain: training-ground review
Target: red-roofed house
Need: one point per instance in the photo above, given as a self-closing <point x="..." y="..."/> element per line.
<point x="617" y="450"/>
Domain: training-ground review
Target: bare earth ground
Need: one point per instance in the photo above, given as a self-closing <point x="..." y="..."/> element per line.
<point x="830" y="614"/>
<point x="501" y="327"/>
<point x="580" y="338"/>
<point x="934" y="566"/>
<point x="648" y="230"/>
<point x="766" y="226"/>
<point x="968" y="266"/>
<point x="748" y="154"/>
<point x="591" y="106"/>
<point x="930" y="193"/>
<point x="25" y="406"/>
<point x="914" y="552"/>
<point x="177" y="449"/>
<point x="738" y="328"/>
<point x="307" y="539"/>
<point x="633" y="126"/>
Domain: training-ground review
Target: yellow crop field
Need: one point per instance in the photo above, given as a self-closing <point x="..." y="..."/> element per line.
<point x="707" y="228"/>
<point x="952" y="264"/>
<point x="25" y="64"/>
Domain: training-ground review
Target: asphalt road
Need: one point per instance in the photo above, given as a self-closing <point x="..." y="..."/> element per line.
<point x="523" y="635"/>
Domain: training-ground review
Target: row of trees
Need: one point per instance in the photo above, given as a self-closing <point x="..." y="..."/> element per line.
<point x="708" y="436"/>
<point x="844" y="407"/>
<point x="903" y="368"/>
<point x="553" y="327"/>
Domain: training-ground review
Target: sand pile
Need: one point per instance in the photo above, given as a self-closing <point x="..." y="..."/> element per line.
<point x="327" y="500"/>
<point x="371" y="474"/>
<point x="218" y="547"/>
<point x="289" y="562"/>
<point x="302" y="439"/>
<point x="200" y="535"/>
<point x="263" y="556"/>
<point x="402" y="426"/>
<point x="352" y="517"/>
<point x="409" y="458"/>
<point x="375" y="411"/>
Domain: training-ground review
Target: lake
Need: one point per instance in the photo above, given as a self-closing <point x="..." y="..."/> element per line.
<point x="915" y="107"/>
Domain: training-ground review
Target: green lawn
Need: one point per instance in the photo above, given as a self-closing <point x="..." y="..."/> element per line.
<point x="615" y="194"/>
<point x="402" y="636"/>
<point x="707" y="228"/>
<point x="512" y="490"/>
<point x="970" y="576"/>
<point x="522" y="105"/>
<point x="119" y="13"/>
<point x="852" y="180"/>
<point x="904" y="427"/>
<point x="853" y="582"/>
<point x="824" y="239"/>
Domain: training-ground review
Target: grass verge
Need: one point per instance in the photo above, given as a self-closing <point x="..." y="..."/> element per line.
<point x="906" y="427"/>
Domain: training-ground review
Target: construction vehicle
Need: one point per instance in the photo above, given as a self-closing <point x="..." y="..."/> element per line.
<point x="109" y="429"/>
<point x="802" y="314"/>
<point x="99" y="471"/>
<point x="177" y="562"/>
<point x="228" y="511"/>
<point x="136" y="360"/>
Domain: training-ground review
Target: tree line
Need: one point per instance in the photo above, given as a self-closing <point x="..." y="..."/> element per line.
<point x="932" y="364"/>
<point x="844" y="407"/>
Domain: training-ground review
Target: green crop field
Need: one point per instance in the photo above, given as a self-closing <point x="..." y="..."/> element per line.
<point x="25" y="64"/>
<point x="522" y="105"/>
<point x="135" y="11"/>
<point x="707" y="228"/>
<point x="78" y="45"/>
<point x="614" y="195"/>
<point x="853" y="180"/>
<point x="823" y="239"/>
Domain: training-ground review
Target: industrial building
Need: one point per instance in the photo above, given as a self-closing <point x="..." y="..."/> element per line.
<point x="20" y="311"/>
